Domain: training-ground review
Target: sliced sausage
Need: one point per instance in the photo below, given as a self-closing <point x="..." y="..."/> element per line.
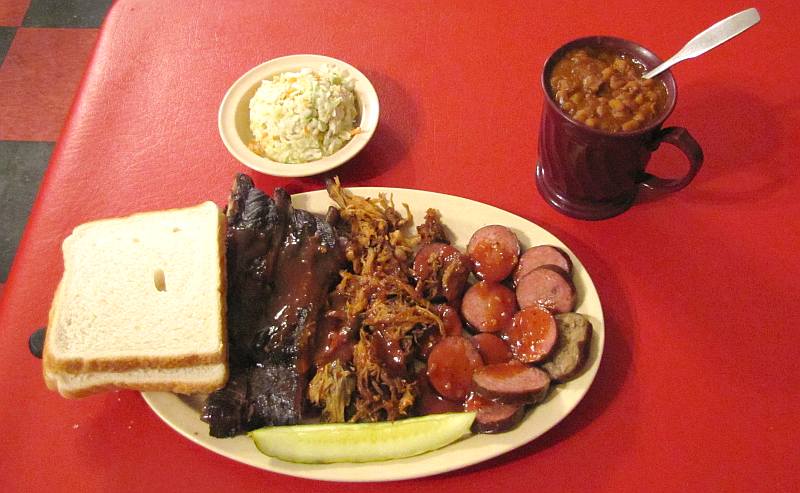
<point x="570" y="353"/>
<point x="494" y="251"/>
<point x="511" y="382"/>
<point x="541" y="255"/>
<point x="549" y="287"/>
<point x="450" y="318"/>
<point x="488" y="306"/>
<point x="491" y="416"/>
<point x="429" y="402"/>
<point x="422" y="259"/>
<point x="452" y="326"/>
<point x="441" y="272"/>
<point x="425" y="341"/>
<point x="451" y="364"/>
<point x="492" y="348"/>
<point x="532" y="334"/>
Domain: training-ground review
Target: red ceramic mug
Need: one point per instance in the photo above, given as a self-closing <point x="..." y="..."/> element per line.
<point x="593" y="174"/>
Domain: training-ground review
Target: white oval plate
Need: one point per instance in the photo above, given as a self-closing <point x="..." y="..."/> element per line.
<point x="234" y="116"/>
<point x="462" y="217"/>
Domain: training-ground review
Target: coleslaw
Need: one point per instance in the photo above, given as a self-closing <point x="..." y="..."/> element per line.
<point x="298" y="117"/>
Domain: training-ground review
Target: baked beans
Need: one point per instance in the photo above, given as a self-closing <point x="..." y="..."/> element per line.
<point x="605" y="90"/>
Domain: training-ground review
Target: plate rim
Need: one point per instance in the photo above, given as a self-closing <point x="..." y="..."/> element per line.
<point x="318" y="471"/>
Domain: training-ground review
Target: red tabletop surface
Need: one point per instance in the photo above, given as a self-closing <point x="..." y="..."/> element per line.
<point x="697" y="389"/>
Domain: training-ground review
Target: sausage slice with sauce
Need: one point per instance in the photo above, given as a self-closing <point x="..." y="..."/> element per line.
<point x="538" y="256"/>
<point x="441" y="271"/>
<point x="494" y="251"/>
<point x="451" y="364"/>
<point x="511" y="383"/>
<point x="492" y="416"/>
<point x="492" y="348"/>
<point x="549" y="287"/>
<point x="488" y="306"/>
<point x="532" y="334"/>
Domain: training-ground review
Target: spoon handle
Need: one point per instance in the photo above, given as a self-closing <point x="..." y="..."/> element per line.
<point x="710" y="38"/>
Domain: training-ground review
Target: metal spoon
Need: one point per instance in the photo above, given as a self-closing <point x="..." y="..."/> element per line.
<point x="710" y="38"/>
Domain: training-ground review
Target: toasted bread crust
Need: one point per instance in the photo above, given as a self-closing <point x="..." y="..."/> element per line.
<point x="222" y="288"/>
<point x="81" y="365"/>
<point x="165" y="386"/>
<point x="49" y="380"/>
<point x="52" y="316"/>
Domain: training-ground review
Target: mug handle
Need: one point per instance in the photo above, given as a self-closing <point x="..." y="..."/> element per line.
<point x="680" y="138"/>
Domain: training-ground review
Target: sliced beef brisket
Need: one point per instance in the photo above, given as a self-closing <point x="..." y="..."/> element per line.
<point x="282" y="262"/>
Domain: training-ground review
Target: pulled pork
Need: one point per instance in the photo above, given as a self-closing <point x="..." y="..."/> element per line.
<point x="432" y="230"/>
<point x="375" y="230"/>
<point x="382" y="316"/>
<point x="332" y="387"/>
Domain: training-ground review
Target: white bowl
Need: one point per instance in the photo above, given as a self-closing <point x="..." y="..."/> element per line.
<point x="234" y="116"/>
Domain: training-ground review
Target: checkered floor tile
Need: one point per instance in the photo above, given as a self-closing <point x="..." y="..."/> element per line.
<point x="44" y="48"/>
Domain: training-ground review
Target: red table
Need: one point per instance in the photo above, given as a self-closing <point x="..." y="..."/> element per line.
<point x="697" y="387"/>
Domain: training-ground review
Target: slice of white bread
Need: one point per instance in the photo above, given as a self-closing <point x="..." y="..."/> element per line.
<point x="186" y="380"/>
<point x="139" y="293"/>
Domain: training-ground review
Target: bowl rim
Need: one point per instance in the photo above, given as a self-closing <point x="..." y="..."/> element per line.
<point x="226" y="118"/>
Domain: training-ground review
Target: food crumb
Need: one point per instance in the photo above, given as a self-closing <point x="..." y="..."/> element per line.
<point x="75" y="426"/>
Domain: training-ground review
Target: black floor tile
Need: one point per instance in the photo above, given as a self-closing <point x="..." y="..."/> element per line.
<point x="66" y="13"/>
<point x="22" y="165"/>
<point x="6" y="35"/>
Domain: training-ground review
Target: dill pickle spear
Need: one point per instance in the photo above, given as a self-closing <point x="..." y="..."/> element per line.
<point x="361" y="442"/>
